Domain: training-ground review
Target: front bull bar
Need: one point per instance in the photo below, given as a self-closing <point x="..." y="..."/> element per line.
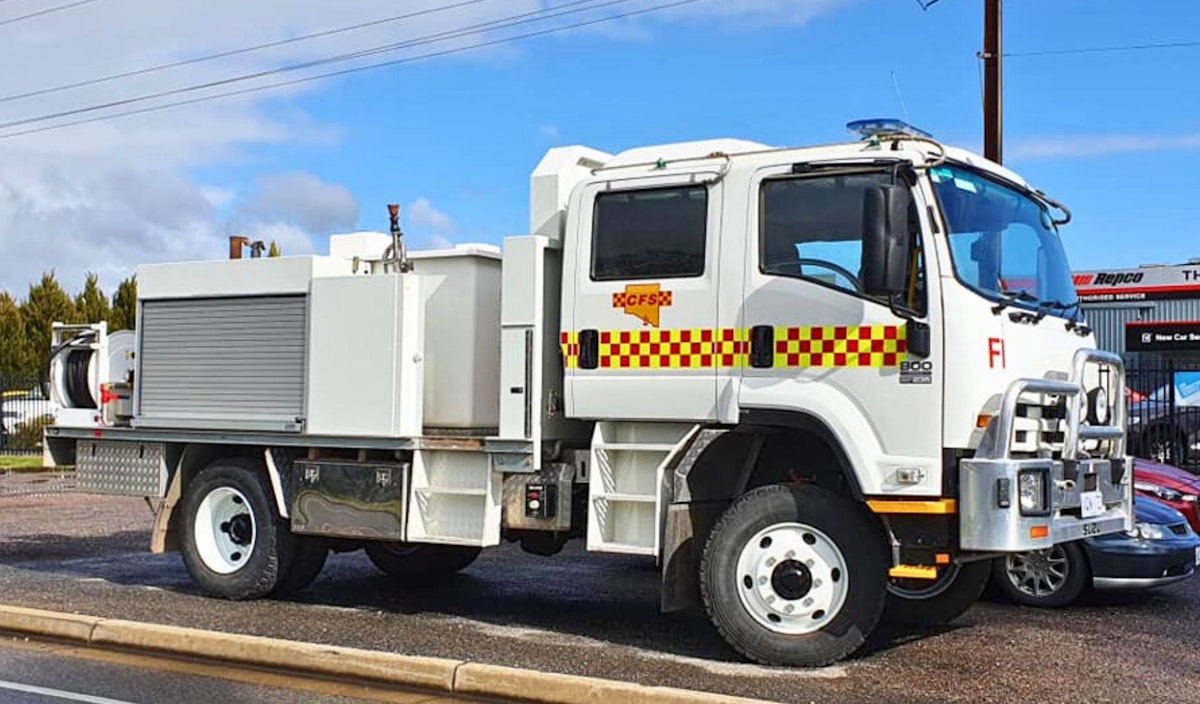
<point x="991" y="517"/>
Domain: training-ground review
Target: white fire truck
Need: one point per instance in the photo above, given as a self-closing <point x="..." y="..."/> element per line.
<point x="819" y="385"/>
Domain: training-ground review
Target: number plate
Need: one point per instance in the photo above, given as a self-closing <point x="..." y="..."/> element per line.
<point x="1091" y="503"/>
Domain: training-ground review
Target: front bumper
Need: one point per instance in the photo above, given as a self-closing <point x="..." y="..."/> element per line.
<point x="990" y="517"/>
<point x="1137" y="564"/>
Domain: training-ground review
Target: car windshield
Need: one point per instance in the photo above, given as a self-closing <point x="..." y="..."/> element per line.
<point x="1003" y="242"/>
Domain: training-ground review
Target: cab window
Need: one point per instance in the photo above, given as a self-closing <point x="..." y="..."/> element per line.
<point x="650" y="234"/>
<point x="812" y="229"/>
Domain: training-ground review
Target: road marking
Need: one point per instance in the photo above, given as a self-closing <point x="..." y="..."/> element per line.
<point x="58" y="693"/>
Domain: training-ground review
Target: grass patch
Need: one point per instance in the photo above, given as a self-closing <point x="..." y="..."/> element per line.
<point x="21" y="463"/>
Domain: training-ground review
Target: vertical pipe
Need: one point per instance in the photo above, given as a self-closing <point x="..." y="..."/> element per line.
<point x="993" y="81"/>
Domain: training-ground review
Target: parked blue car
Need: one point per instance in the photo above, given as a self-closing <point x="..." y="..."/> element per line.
<point x="1160" y="550"/>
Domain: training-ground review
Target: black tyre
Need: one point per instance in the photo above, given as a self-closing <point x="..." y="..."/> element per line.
<point x="233" y="542"/>
<point x="934" y="602"/>
<point x="794" y="575"/>
<point x="420" y="559"/>
<point x="1051" y="578"/>
<point x="307" y="561"/>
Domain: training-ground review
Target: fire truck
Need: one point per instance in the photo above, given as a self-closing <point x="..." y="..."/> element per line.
<point x="820" y="386"/>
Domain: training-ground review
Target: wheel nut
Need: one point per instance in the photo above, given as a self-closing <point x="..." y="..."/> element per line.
<point x="770" y="562"/>
<point x="771" y="599"/>
<point x="762" y="580"/>
<point x="816" y="583"/>
<point x="789" y="608"/>
<point x="808" y="601"/>
<point x="791" y="554"/>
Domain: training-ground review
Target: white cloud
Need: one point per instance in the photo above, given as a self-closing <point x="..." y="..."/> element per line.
<point x="423" y="215"/>
<point x="550" y="132"/>
<point x="297" y="198"/>
<point x="109" y="195"/>
<point x="1099" y="145"/>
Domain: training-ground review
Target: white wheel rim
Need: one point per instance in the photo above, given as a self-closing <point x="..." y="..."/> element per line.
<point x="225" y="530"/>
<point x="792" y="578"/>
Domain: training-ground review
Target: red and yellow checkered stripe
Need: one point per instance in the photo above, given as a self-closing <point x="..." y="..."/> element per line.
<point x="840" y="346"/>
<point x="812" y="346"/>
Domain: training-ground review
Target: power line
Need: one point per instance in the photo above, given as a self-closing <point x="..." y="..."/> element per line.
<point x="511" y="21"/>
<point x="237" y="52"/>
<point x="1105" y="49"/>
<point x="39" y="13"/>
<point x="357" y="69"/>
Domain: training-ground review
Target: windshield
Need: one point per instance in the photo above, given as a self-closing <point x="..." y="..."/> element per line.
<point x="1003" y="242"/>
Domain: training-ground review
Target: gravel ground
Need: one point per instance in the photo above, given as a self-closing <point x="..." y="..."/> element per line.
<point x="597" y="615"/>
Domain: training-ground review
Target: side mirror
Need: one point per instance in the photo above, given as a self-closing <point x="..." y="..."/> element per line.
<point x="887" y="240"/>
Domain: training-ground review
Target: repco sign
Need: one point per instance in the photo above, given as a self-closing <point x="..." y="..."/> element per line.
<point x="1119" y="279"/>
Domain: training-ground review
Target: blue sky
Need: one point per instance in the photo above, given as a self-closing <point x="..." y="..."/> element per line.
<point x="454" y="138"/>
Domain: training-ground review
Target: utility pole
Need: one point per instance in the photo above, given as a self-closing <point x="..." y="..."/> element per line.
<point x="993" y="80"/>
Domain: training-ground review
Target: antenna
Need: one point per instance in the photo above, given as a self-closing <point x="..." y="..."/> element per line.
<point x="900" y="96"/>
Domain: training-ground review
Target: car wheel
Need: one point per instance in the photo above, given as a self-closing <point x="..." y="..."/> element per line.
<point x="794" y="575"/>
<point x="934" y="602"/>
<point x="1051" y="577"/>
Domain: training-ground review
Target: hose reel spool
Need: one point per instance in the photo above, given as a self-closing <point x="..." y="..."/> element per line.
<point x="85" y="358"/>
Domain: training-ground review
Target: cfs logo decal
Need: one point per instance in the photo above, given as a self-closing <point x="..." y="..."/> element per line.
<point x="643" y="301"/>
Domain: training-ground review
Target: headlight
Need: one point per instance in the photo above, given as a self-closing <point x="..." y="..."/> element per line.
<point x="1150" y="531"/>
<point x="1162" y="492"/>
<point x="1031" y="492"/>
<point x="1098" y="410"/>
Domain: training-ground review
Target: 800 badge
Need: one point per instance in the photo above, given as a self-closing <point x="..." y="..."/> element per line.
<point x="917" y="371"/>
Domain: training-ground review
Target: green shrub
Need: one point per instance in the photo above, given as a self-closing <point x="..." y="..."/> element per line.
<point x="28" y="435"/>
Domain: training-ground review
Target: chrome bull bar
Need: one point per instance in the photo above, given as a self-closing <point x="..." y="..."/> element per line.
<point x="991" y="517"/>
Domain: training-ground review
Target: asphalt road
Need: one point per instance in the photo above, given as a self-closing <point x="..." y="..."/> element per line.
<point x="43" y="673"/>
<point x="597" y="615"/>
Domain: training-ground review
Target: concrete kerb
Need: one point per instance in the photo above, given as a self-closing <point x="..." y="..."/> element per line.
<point x="438" y="674"/>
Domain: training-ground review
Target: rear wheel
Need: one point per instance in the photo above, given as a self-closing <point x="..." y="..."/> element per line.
<point x="307" y="561"/>
<point x="934" y="602"/>
<point x="1052" y="577"/>
<point x="234" y="545"/>
<point x="420" y="559"/>
<point x="793" y="575"/>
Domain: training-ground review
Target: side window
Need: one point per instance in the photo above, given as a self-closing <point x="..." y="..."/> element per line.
<point x="650" y="234"/>
<point x="812" y="229"/>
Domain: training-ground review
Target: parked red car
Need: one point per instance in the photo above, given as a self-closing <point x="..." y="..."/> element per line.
<point x="1172" y="486"/>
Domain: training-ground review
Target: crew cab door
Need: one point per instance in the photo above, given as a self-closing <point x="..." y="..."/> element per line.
<point x="640" y="302"/>
<point x="833" y="354"/>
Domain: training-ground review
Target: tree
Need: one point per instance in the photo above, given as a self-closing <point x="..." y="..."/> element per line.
<point x="47" y="303"/>
<point x="91" y="305"/>
<point x="124" y="306"/>
<point x="14" y="354"/>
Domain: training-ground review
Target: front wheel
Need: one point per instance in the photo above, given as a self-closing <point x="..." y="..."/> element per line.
<point x="794" y="575"/>
<point x="1051" y="577"/>
<point x="938" y="601"/>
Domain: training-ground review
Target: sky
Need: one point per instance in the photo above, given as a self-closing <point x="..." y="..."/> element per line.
<point x="454" y="137"/>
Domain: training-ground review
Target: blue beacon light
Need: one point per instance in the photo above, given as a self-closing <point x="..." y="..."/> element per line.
<point x="883" y="126"/>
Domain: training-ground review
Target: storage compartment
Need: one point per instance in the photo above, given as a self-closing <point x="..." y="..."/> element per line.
<point x="462" y="337"/>
<point x="348" y="499"/>
<point x="366" y="364"/>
